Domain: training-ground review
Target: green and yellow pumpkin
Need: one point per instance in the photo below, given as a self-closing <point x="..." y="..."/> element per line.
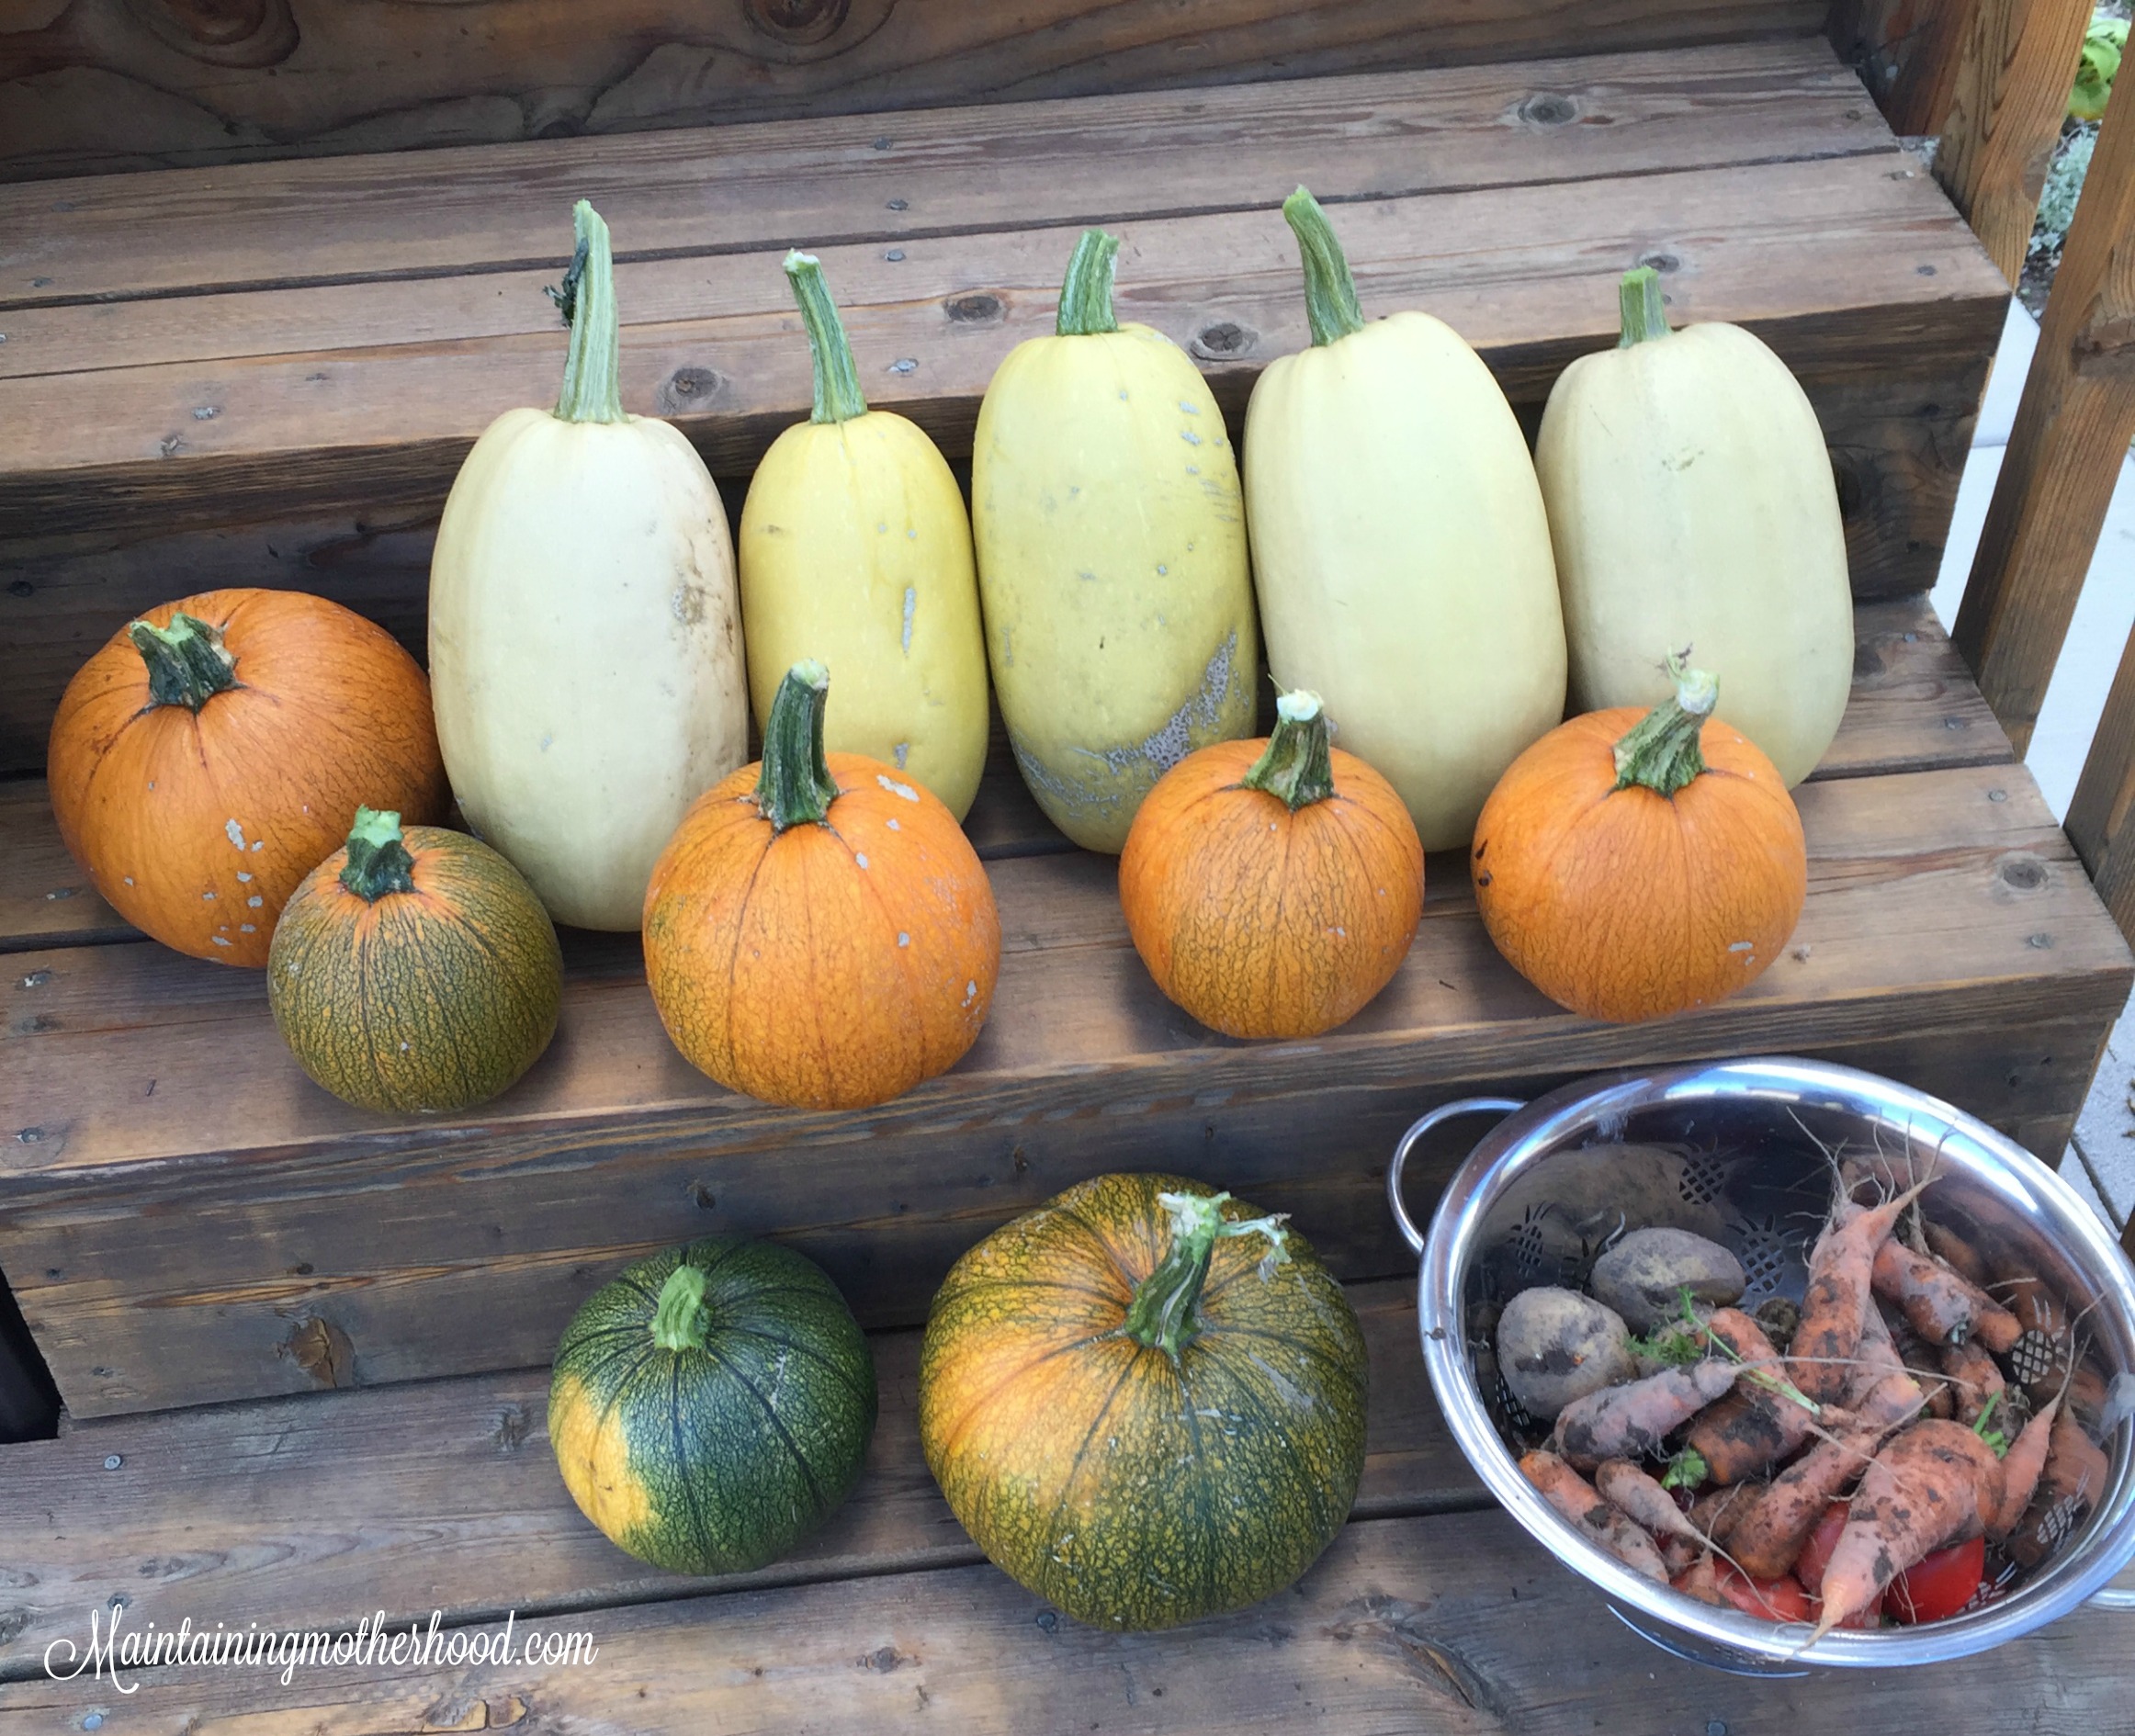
<point x="1144" y="1401"/>
<point x="711" y="1404"/>
<point x="415" y="969"/>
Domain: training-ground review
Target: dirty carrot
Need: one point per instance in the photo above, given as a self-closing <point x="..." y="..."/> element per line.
<point x="1939" y="1303"/>
<point x="1769" y="1536"/>
<point x="1975" y="1380"/>
<point x="2022" y="1466"/>
<point x="1763" y="1419"/>
<point x="1701" y="1581"/>
<point x="1955" y="1252"/>
<point x="1630" y="1421"/>
<point x="1643" y="1501"/>
<point x="1932" y="1487"/>
<point x="1571" y="1495"/>
<point x="2068" y="1489"/>
<point x="1840" y="1268"/>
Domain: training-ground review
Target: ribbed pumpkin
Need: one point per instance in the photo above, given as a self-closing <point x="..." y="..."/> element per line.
<point x="1634" y="864"/>
<point x="1274" y="887"/>
<point x="1144" y="1401"/>
<point x="414" y="970"/>
<point x="211" y="752"/>
<point x="711" y="1405"/>
<point x="819" y="931"/>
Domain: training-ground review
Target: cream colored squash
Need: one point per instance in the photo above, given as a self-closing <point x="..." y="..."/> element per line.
<point x="1691" y="498"/>
<point x="585" y="643"/>
<point x="1400" y="548"/>
<point x="1111" y="560"/>
<point x="855" y="551"/>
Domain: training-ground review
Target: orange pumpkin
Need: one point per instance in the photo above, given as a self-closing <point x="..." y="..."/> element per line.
<point x="1634" y="864"/>
<point x="214" y="752"/>
<point x="1273" y="887"/>
<point x="819" y="932"/>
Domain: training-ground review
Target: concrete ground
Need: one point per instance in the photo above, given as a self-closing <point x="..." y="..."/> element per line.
<point x="2101" y="1163"/>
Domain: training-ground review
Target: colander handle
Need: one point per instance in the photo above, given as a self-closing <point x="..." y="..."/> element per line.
<point x="1444" y="1112"/>
<point x="2111" y="1599"/>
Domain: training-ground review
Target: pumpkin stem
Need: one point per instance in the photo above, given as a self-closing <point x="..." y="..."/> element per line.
<point x="378" y="861"/>
<point x="794" y="787"/>
<point x="188" y="663"/>
<point x="1167" y="1301"/>
<point x="678" y="1320"/>
<point x="593" y="370"/>
<point x="838" y="394"/>
<point x="1660" y="751"/>
<point x="1296" y="765"/>
<point x="1644" y="314"/>
<point x="1330" y="292"/>
<point x="1086" y="295"/>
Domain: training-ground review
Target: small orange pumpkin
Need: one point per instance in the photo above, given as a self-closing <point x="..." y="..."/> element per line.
<point x="819" y="931"/>
<point x="214" y="752"/>
<point x="1632" y="865"/>
<point x="1273" y="887"/>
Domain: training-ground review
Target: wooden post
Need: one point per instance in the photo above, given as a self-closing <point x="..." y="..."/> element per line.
<point x="2073" y="429"/>
<point x="1906" y="53"/>
<point x="2013" y="80"/>
<point x="2097" y="817"/>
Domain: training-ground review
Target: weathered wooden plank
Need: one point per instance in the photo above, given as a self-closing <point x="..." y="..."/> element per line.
<point x="180" y="1202"/>
<point x="444" y="1496"/>
<point x="1452" y="1623"/>
<point x="1913" y="709"/>
<point x="1855" y="270"/>
<point x="2006" y="107"/>
<point x="930" y="172"/>
<point x="1908" y="52"/>
<point x="104" y="86"/>
<point x="2073" y="427"/>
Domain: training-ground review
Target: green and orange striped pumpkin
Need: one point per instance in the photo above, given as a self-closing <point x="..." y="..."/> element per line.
<point x="414" y="970"/>
<point x="1144" y="1401"/>
<point x="711" y="1404"/>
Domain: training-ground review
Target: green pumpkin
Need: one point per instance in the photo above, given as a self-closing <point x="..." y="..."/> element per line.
<point x="711" y="1405"/>
<point x="1144" y="1402"/>
<point x="414" y="970"/>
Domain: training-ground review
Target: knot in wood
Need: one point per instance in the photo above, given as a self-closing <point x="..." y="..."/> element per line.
<point x="689" y="390"/>
<point x="1548" y="109"/>
<point x="1223" y="342"/>
<point x="801" y="22"/>
<point x="978" y="309"/>
<point x="245" y="33"/>
<point x="2026" y="873"/>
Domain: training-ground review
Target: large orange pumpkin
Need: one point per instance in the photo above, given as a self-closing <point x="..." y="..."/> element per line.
<point x="1634" y="864"/>
<point x="819" y="931"/>
<point x="213" y="752"/>
<point x="1273" y="887"/>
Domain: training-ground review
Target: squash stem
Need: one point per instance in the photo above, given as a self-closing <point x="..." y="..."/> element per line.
<point x="1163" y="1313"/>
<point x="187" y="662"/>
<point x="379" y="861"/>
<point x="593" y="387"/>
<point x="679" y="1321"/>
<point x="1086" y="294"/>
<point x="838" y="394"/>
<point x="1296" y="766"/>
<point x="794" y="787"/>
<point x="1660" y="751"/>
<point x="1330" y="292"/>
<point x="1645" y="313"/>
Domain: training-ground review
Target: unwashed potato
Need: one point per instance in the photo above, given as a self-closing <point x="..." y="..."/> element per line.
<point x="1554" y="1346"/>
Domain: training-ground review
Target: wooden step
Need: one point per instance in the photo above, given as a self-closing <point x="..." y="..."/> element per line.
<point x="269" y="374"/>
<point x="186" y="1218"/>
<point x="1432" y="1612"/>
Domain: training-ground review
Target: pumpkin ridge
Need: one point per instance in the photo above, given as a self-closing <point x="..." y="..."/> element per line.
<point x="1190" y="1412"/>
<point x="807" y="1352"/>
<point x="1052" y="1525"/>
<point x="419" y="939"/>
<point x="1126" y="1272"/>
<point x="1020" y="1284"/>
<point x="949" y="1434"/>
<point x="1307" y="1479"/>
<point x="1230" y="1330"/>
<point x="682" y="1461"/>
<point x="905" y="963"/>
<point x="777" y="1422"/>
<point x="741" y="909"/>
<point x="729" y="1250"/>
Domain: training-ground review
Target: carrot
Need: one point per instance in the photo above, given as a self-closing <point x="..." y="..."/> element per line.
<point x="1631" y="1420"/>
<point x="1571" y="1495"/>
<point x="2022" y="1466"/>
<point x="1716" y="1511"/>
<point x="1643" y="1501"/>
<point x="1938" y="1305"/>
<point x="1840" y="1267"/>
<point x="1934" y="1486"/>
<point x="2068" y="1489"/>
<point x="1752" y="1426"/>
<point x="1955" y="1252"/>
<point x="1878" y="1357"/>
<point x="1702" y="1582"/>
<point x="1769" y="1537"/>
<point x="1975" y="1380"/>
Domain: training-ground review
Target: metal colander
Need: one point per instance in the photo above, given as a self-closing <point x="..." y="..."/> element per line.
<point x="1743" y="1152"/>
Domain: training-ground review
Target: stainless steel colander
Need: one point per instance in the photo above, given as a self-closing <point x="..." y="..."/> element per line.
<point x="1742" y="1152"/>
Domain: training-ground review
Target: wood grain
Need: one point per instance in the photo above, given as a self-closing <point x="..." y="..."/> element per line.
<point x="180" y="1205"/>
<point x="1908" y="53"/>
<point x="99" y="86"/>
<point x="845" y="180"/>
<point x="444" y="1496"/>
<point x="2073" y="428"/>
<point x="2005" y="110"/>
<point x="2104" y="794"/>
<point x="1442" y="1625"/>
